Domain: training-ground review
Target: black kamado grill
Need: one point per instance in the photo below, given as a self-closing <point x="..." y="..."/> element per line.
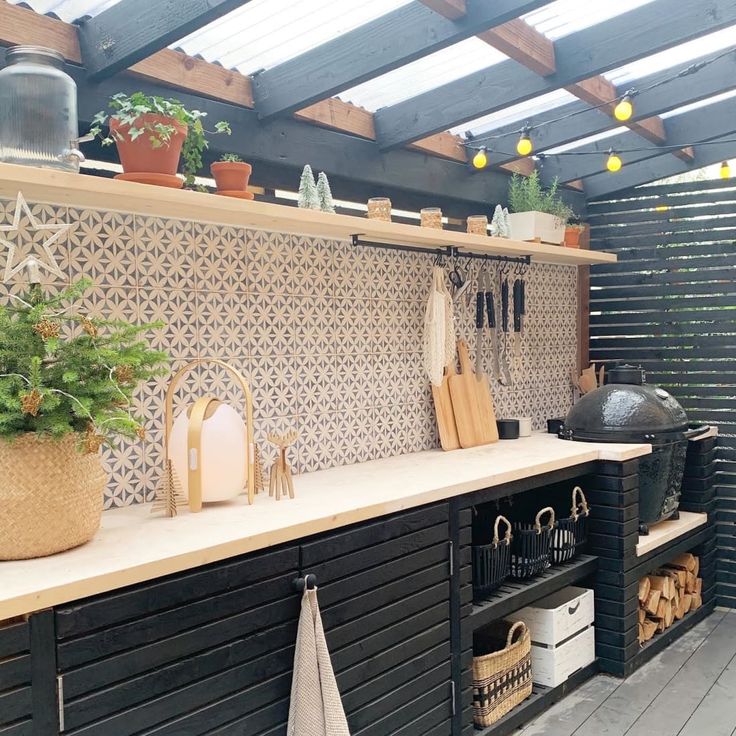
<point x="626" y="409"/>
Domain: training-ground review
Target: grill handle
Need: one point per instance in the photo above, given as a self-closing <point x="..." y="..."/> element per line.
<point x="695" y="432"/>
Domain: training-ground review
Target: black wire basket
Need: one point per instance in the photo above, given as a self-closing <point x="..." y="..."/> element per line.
<point x="491" y="561"/>
<point x="530" y="546"/>
<point x="571" y="533"/>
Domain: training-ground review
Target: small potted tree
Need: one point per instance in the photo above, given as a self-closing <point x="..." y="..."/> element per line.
<point x="152" y="134"/>
<point x="537" y="213"/>
<point x="66" y="387"/>
<point x="572" y="232"/>
<point x="231" y="176"/>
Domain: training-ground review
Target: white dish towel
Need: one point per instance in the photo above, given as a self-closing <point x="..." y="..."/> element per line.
<point x="315" y="708"/>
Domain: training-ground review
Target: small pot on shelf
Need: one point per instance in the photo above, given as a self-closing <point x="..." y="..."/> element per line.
<point x="572" y="236"/>
<point x="232" y="178"/>
<point x="144" y="162"/>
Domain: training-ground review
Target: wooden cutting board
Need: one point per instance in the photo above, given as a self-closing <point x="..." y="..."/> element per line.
<point x="472" y="426"/>
<point x="444" y="411"/>
<point x="487" y="411"/>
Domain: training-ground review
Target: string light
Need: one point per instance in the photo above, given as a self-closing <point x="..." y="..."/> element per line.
<point x="524" y="147"/>
<point x="614" y="162"/>
<point x="624" y="109"/>
<point x="725" y="170"/>
<point x="480" y="160"/>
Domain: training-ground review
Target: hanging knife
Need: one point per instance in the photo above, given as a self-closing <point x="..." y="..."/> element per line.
<point x="517" y="319"/>
<point x="491" y="313"/>
<point x="478" y="330"/>
<point x="504" y="376"/>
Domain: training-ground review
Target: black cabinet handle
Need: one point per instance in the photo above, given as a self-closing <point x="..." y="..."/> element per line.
<point x="309" y="582"/>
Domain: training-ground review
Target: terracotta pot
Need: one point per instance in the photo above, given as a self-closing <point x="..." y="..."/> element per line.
<point x="572" y="237"/>
<point x="231" y="176"/>
<point x="139" y="155"/>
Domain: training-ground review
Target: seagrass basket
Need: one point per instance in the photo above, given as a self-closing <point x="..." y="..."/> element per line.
<point x="50" y="495"/>
<point x="502" y="677"/>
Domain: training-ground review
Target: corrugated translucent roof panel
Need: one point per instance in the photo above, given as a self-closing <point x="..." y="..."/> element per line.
<point x="69" y="10"/>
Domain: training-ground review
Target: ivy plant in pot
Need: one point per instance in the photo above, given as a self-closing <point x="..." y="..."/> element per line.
<point x="152" y="134"/>
<point x="231" y="175"/>
<point x="538" y="213"/>
<point x="66" y="388"/>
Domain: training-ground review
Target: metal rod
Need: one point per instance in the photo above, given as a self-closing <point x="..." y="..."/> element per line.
<point x="449" y="251"/>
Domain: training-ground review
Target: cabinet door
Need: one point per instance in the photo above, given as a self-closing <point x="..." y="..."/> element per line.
<point x="384" y="592"/>
<point x="15" y="680"/>
<point x="183" y="655"/>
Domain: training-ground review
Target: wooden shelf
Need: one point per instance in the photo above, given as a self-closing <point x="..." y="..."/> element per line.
<point x="540" y="699"/>
<point x="47" y="185"/>
<point x="513" y="595"/>
<point x="668" y="531"/>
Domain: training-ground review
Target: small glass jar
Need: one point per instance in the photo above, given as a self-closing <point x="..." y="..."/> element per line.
<point x="379" y="208"/>
<point x="38" y="110"/>
<point x="431" y="217"/>
<point x="478" y="224"/>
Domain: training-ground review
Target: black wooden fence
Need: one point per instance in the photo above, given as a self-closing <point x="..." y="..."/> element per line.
<point x="669" y="304"/>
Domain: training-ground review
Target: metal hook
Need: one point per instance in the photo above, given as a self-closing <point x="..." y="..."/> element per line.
<point x="309" y="582"/>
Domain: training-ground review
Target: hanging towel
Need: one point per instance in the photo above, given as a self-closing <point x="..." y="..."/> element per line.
<point x="315" y="708"/>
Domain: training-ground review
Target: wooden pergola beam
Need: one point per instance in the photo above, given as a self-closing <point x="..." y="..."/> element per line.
<point x="714" y="79"/>
<point x="132" y="30"/>
<point x="386" y="43"/>
<point x="615" y="42"/>
<point x="703" y="123"/>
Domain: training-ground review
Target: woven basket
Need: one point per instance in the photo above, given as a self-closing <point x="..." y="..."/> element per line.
<point x="50" y="496"/>
<point x="502" y="679"/>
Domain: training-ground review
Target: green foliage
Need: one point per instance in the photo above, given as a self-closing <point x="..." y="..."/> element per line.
<point x="231" y="158"/>
<point x="61" y="371"/>
<point x="128" y="109"/>
<point x="526" y="194"/>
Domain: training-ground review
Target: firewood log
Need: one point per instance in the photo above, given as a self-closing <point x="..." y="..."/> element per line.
<point x="649" y="629"/>
<point x="652" y="601"/>
<point x="661" y="625"/>
<point x="696" y="570"/>
<point x="687" y="600"/>
<point x="641" y="615"/>
<point x="698" y="586"/>
<point x="685" y="561"/>
<point x="696" y="602"/>
<point x="662" y="608"/>
<point x="690" y="583"/>
<point x="680" y="611"/>
<point x="664" y="584"/>
<point x="640" y="633"/>
<point x="644" y="587"/>
<point x="669" y="614"/>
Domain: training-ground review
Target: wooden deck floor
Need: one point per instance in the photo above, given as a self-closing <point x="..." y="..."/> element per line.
<point x="687" y="690"/>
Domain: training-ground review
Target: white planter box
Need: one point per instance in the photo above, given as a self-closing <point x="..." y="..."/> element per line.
<point x="533" y="225"/>
<point x="551" y="666"/>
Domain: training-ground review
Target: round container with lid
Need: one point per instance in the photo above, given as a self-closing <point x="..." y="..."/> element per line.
<point x="38" y="110"/>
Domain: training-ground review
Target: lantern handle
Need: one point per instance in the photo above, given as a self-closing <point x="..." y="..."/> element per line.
<point x="247" y="407"/>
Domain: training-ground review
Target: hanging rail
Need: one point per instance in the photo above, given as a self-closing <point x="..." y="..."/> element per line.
<point x="449" y="251"/>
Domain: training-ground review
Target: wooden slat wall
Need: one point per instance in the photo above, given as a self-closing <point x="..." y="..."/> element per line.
<point x="669" y="304"/>
<point x="15" y="680"/>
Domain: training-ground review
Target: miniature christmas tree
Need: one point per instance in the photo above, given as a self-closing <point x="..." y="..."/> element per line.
<point x="497" y="222"/>
<point x="169" y="498"/>
<point x="324" y="194"/>
<point x="55" y="380"/>
<point x="308" y="198"/>
<point x="505" y="224"/>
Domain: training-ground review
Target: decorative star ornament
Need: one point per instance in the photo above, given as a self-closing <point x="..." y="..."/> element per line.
<point x="34" y="263"/>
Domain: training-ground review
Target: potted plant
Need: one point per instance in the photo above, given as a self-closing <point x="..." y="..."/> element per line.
<point x="231" y="175"/>
<point x="152" y="134"/>
<point x="572" y="232"/>
<point x="66" y="387"/>
<point x="537" y="213"/>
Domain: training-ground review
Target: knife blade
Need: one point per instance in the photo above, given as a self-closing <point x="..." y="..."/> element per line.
<point x="478" y="330"/>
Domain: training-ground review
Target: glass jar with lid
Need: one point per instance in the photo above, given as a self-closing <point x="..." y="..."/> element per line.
<point x="38" y="110"/>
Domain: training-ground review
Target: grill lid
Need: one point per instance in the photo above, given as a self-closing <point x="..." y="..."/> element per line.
<point x="626" y="411"/>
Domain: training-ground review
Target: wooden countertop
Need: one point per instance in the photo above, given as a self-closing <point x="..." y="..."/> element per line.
<point x="133" y="546"/>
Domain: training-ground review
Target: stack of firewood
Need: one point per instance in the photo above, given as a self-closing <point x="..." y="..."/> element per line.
<point x="668" y="594"/>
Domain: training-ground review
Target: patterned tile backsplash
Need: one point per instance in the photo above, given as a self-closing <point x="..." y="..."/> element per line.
<point x="328" y="335"/>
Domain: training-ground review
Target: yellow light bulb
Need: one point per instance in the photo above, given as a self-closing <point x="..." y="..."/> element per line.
<point x="725" y="170"/>
<point x="480" y="160"/>
<point x="614" y="162"/>
<point x="524" y="147"/>
<point x="661" y="208"/>
<point x="624" y="109"/>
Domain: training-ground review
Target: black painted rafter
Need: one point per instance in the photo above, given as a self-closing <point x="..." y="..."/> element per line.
<point x="703" y="123"/>
<point x="581" y="55"/>
<point x="132" y="30"/>
<point x="386" y="43"/>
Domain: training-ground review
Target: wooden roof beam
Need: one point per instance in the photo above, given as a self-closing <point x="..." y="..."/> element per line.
<point x="623" y="39"/>
<point x="392" y="40"/>
<point x="132" y="30"/>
